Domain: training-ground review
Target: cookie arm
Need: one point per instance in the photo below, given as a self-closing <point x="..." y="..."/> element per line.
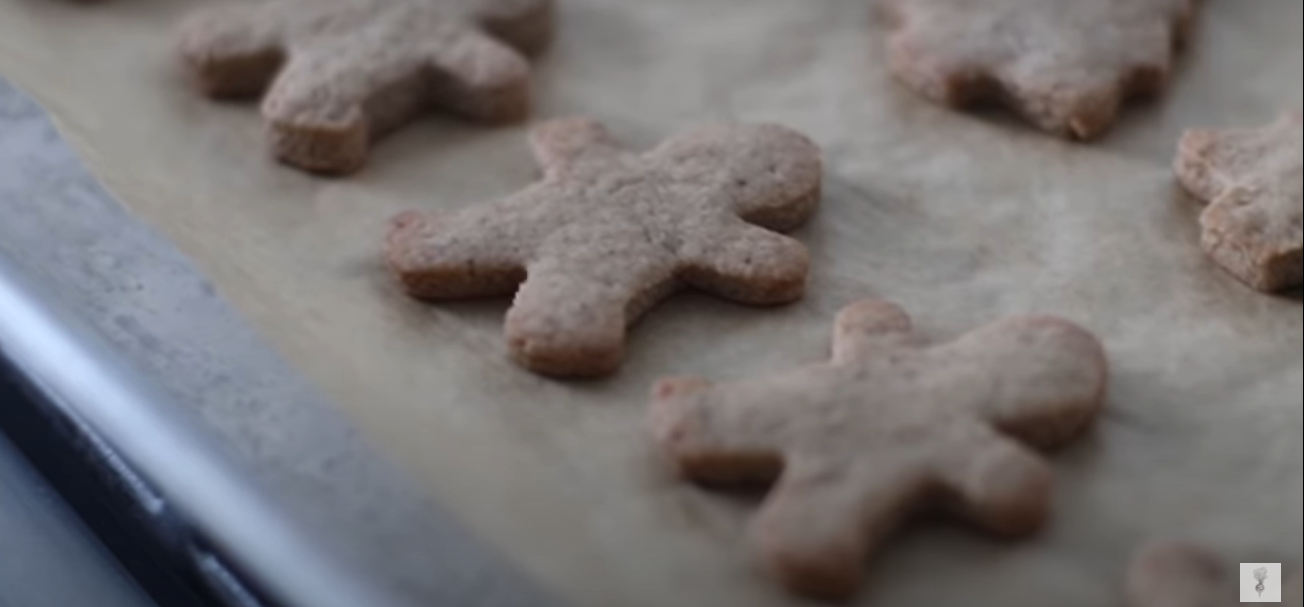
<point x="559" y="145"/>
<point x="479" y="78"/>
<point x="481" y="252"/>
<point x="821" y="523"/>
<point x="232" y="52"/>
<point x="746" y="264"/>
<point x="734" y="433"/>
<point x="995" y="482"/>
<point x="717" y="435"/>
<point x="869" y="327"/>
<point x="1199" y="163"/>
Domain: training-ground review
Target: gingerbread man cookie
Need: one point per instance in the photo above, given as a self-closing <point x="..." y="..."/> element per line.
<point x="1065" y="66"/>
<point x="339" y="74"/>
<point x="608" y="233"/>
<point x="1251" y="179"/>
<point x="888" y="428"/>
<point x="1182" y="575"/>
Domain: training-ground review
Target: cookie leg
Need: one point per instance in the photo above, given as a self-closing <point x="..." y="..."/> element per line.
<point x="481" y="79"/>
<point x="316" y="112"/>
<point x="562" y="144"/>
<point x="818" y="528"/>
<point x="746" y="264"/>
<point x="229" y="53"/>
<point x="1197" y="150"/>
<point x="570" y="316"/>
<point x="1083" y="109"/>
<point x="997" y="483"/>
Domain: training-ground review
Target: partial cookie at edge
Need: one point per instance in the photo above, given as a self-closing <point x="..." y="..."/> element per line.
<point x="1066" y="67"/>
<point x="1251" y="179"/>
<point x="340" y="74"/>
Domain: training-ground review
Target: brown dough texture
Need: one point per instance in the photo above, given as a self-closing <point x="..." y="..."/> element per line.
<point x="1067" y="66"/>
<point x="1251" y="179"/>
<point x="339" y="74"/>
<point x="608" y="233"/>
<point x="1182" y="575"/>
<point x="1177" y="575"/>
<point x="888" y="428"/>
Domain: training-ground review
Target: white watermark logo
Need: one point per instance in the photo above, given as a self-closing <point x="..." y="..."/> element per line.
<point x="1260" y="582"/>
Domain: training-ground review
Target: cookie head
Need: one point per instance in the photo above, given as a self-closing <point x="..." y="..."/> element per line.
<point x="1043" y="381"/>
<point x="778" y="166"/>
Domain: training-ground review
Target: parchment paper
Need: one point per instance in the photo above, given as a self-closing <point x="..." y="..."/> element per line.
<point x="963" y="219"/>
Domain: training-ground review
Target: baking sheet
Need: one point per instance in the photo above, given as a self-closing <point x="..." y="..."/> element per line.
<point x="961" y="219"/>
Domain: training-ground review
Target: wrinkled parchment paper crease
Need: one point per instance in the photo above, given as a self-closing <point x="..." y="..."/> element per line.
<point x="962" y="219"/>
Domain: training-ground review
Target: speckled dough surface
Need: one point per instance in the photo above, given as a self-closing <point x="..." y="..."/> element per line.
<point x="1184" y="575"/>
<point x="340" y="73"/>
<point x="1252" y="180"/>
<point x="889" y="427"/>
<point x="1067" y="66"/>
<point x="608" y="233"/>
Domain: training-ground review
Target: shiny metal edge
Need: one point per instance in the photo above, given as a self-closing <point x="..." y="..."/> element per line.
<point x="142" y="349"/>
<point x="83" y="376"/>
<point x="44" y="545"/>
